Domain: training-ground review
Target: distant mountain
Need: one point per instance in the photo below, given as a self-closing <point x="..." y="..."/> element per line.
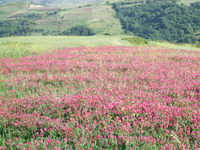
<point x="55" y="3"/>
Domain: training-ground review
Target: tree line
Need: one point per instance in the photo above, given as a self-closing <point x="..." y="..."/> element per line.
<point x="79" y="30"/>
<point x="23" y="25"/>
<point x="161" y="20"/>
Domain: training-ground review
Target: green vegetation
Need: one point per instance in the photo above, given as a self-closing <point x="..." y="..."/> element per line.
<point x="29" y="19"/>
<point x="133" y="2"/>
<point x="7" y="10"/>
<point x="161" y="21"/>
<point x="16" y="47"/>
<point x="26" y="19"/>
<point x="53" y="100"/>
<point x="136" y="40"/>
<point x="107" y="33"/>
<point x="55" y="3"/>
<point x="103" y="20"/>
<point x="79" y="31"/>
<point x="20" y="20"/>
<point x="17" y="27"/>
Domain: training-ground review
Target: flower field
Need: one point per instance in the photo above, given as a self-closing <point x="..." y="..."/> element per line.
<point x="94" y="98"/>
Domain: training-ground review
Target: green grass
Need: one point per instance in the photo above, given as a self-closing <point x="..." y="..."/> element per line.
<point x="136" y="40"/>
<point x="10" y="9"/>
<point x="49" y="21"/>
<point x="50" y="27"/>
<point x="16" y="47"/>
<point x="103" y="20"/>
<point x="74" y="19"/>
<point x="74" y="11"/>
<point x="187" y="2"/>
<point x="181" y="1"/>
<point x="22" y="46"/>
<point x="55" y="3"/>
<point x="113" y="1"/>
<point x="175" y="46"/>
<point x="45" y="9"/>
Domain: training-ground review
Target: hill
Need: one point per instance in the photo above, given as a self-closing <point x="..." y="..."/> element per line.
<point x="22" y="18"/>
<point x="167" y="21"/>
<point x="27" y="18"/>
<point x="105" y="97"/>
<point x="67" y="3"/>
<point x="17" y="47"/>
<point x="57" y="3"/>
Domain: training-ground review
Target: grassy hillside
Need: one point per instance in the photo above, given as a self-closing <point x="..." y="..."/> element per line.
<point x="71" y="92"/>
<point x="39" y="19"/>
<point x="27" y="18"/>
<point x="9" y="11"/>
<point x="20" y="46"/>
<point x="114" y="97"/>
<point x="55" y="3"/>
<point x="22" y="18"/>
<point x="161" y="21"/>
<point x="103" y="20"/>
<point x="186" y="2"/>
<point x="45" y="20"/>
<point x="17" y="47"/>
<point x="13" y="8"/>
<point x="67" y="3"/>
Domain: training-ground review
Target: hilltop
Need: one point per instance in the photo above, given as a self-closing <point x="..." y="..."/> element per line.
<point x="57" y="3"/>
<point x="167" y="21"/>
<point x="69" y="3"/>
<point x="25" y="18"/>
<point x="105" y="97"/>
<point x="101" y="17"/>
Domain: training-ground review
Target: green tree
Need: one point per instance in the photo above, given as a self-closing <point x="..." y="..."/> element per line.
<point x="163" y="20"/>
<point x="107" y="3"/>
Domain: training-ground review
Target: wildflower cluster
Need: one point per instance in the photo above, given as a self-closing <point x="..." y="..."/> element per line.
<point x="101" y="98"/>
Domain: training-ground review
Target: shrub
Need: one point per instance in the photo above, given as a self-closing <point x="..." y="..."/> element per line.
<point x="79" y="31"/>
<point x="107" y="33"/>
<point x="136" y="40"/>
<point x="197" y="44"/>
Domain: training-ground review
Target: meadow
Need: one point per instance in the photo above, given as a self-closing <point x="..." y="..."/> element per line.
<point x="16" y="47"/>
<point x="89" y="96"/>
